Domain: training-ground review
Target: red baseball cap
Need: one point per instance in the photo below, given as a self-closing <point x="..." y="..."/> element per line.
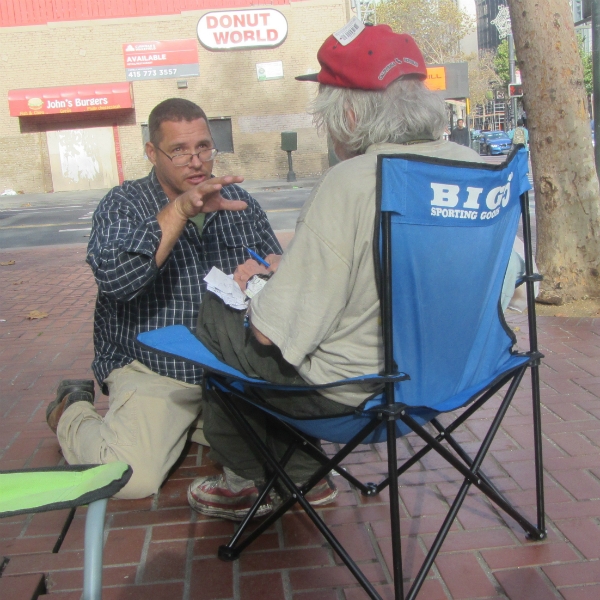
<point x="367" y="57"/>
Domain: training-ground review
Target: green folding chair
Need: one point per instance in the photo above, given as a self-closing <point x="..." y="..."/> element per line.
<point x="28" y="491"/>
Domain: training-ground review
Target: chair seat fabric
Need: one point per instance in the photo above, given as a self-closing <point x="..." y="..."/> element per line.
<point x="53" y="488"/>
<point x="341" y="429"/>
<point x="178" y="340"/>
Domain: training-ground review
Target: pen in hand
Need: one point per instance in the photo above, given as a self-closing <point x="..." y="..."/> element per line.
<point x="257" y="258"/>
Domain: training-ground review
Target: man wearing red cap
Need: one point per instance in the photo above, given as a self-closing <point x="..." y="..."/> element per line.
<point x="317" y="318"/>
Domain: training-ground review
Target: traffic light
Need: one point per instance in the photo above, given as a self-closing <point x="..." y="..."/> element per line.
<point x="515" y="90"/>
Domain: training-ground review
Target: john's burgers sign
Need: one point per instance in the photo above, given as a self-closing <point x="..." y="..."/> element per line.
<point x="242" y="29"/>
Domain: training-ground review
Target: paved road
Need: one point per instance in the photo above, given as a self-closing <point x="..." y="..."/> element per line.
<point x="57" y="222"/>
<point x="45" y="225"/>
<point x="56" y="219"/>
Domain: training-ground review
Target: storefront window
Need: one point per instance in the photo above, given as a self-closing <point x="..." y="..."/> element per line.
<point x="145" y="137"/>
<point x="220" y="128"/>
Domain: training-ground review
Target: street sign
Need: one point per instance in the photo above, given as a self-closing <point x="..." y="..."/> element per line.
<point x="515" y="90"/>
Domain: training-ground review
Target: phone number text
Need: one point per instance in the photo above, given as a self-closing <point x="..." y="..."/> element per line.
<point x="141" y="73"/>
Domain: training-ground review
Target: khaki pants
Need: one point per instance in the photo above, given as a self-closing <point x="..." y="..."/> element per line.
<point x="146" y="426"/>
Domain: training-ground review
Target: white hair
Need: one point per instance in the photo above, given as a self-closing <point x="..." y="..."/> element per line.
<point x="405" y="111"/>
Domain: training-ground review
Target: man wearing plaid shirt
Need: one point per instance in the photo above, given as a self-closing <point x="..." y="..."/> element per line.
<point x="153" y="240"/>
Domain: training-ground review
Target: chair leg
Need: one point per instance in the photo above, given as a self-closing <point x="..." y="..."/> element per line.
<point x="94" y="542"/>
<point x="539" y="467"/>
<point x="535" y="375"/>
<point x="397" y="571"/>
<point x="231" y="553"/>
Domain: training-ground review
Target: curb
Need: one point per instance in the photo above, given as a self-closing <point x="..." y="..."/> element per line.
<point x="55" y="199"/>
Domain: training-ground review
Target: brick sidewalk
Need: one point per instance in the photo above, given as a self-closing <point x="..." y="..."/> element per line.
<point x="158" y="548"/>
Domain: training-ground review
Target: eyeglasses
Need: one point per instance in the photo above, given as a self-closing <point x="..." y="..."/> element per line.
<point x="183" y="160"/>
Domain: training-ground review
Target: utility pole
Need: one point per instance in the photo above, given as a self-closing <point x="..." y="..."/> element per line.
<point x="512" y="75"/>
<point x="503" y="25"/>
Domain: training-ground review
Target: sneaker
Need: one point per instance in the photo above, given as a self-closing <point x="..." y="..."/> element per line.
<point x="323" y="493"/>
<point x="213" y="496"/>
<point x="63" y="400"/>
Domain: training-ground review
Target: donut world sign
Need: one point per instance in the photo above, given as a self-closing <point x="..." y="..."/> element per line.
<point x="242" y="29"/>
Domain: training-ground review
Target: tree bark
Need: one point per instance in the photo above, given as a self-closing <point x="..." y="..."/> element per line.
<point x="564" y="173"/>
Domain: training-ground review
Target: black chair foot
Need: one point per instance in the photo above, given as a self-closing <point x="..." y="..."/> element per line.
<point x="537" y="536"/>
<point x="228" y="554"/>
<point x="371" y="489"/>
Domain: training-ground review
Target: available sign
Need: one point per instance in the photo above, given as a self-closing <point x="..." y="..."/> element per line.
<point x="242" y="29"/>
<point x="70" y="99"/>
<point x="161" y="60"/>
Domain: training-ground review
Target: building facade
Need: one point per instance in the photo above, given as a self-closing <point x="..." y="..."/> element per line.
<point x="582" y="17"/>
<point x="80" y="81"/>
<point x="468" y="45"/>
<point x="487" y="33"/>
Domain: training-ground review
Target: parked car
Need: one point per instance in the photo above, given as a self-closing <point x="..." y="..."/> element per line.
<point x="494" y="142"/>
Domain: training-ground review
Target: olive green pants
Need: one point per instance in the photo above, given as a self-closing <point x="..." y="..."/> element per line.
<point x="222" y="330"/>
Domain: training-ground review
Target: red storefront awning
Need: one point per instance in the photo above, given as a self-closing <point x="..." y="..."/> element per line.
<point x="70" y="99"/>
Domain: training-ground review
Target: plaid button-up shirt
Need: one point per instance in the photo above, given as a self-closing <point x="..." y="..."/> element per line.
<point x="135" y="295"/>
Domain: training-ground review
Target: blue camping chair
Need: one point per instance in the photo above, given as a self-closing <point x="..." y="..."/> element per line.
<point x="443" y="246"/>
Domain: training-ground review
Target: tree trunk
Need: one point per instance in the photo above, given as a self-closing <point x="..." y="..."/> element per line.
<point x="564" y="173"/>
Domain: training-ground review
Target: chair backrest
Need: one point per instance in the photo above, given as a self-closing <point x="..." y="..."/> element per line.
<point x="451" y="230"/>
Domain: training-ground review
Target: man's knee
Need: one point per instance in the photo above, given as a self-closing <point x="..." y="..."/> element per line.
<point x="144" y="482"/>
<point x="148" y="471"/>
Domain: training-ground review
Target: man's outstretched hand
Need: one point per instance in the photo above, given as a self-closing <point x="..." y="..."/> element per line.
<point x="206" y="197"/>
<point x="202" y="198"/>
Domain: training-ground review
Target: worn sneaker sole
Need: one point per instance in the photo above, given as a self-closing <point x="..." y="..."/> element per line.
<point x="322" y="500"/>
<point x="318" y="496"/>
<point x="230" y="514"/>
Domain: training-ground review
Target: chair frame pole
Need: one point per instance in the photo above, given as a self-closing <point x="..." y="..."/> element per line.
<point x="445" y="431"/>
<point x="317" y="453"/>
<point x="94" y="544"/>
<point x="530" y="278"/>
<point x="390" y="369"/>
<point x="273" y="464"/>
<point x="472" y="477"/>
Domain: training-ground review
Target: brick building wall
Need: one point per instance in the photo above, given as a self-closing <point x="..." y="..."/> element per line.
<point x="83" y="52"/>
<point x="24" y="163"/>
